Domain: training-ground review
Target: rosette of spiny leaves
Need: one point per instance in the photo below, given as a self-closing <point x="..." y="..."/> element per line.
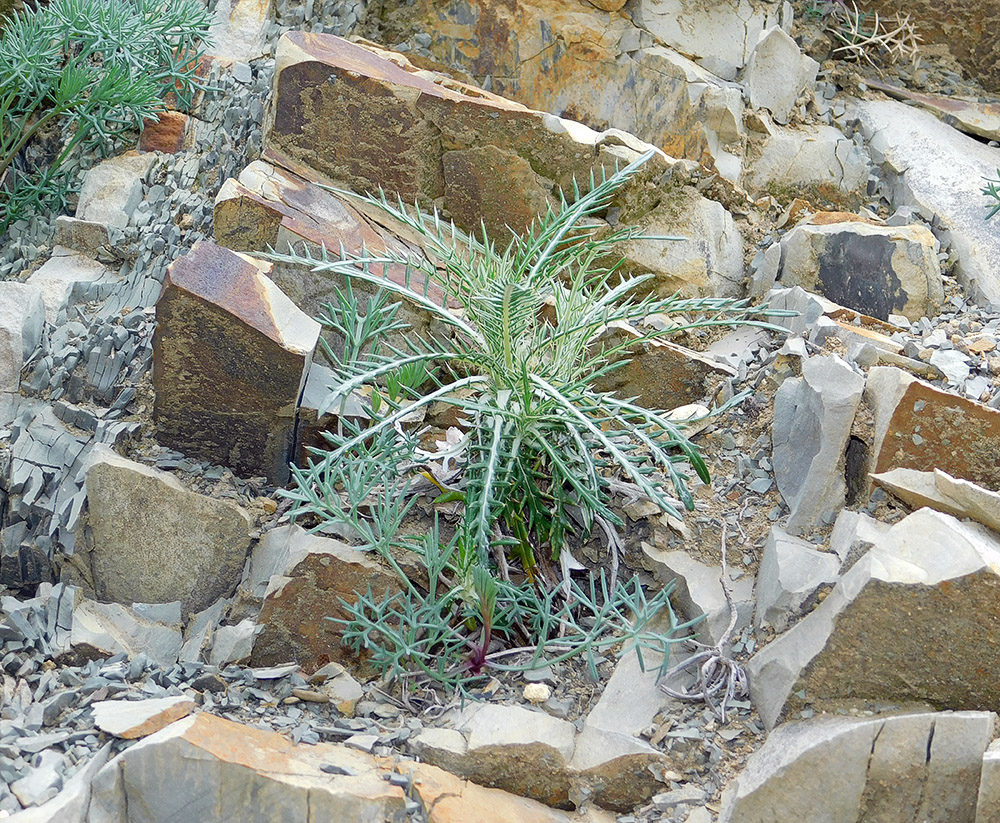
<point x="543" y="442"/>
<point x="93" y="69"/>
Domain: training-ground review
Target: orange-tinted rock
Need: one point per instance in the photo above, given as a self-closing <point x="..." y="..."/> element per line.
<point x="169" y="134"/>
<point x="918" y="426"/>
<point x="316" y="574"/>
<point x="230" y="356"/>
<point x="449" y="799"/>
<point x="598" y="68"/>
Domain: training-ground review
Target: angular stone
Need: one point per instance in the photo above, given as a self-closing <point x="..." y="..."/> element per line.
<point x="706" y="261"/>
<point x="155" y="542"/>
<point x="813" y="415"/>
<point x="170" y="133"/>
<point x="233" y="644"/>
<point x="271" y="207"/>
<point x="199" y="631"/>
<point x="854" y="534"/>
<point x="942" y="492"/>
<point x="444" y="748"/>
<point x="777" y="73"/>
<point x="904" y="626"/>
<point x="239" y="30"/>
<point x="112" y="189"/>
<point x="988" y="800"/>
<point x="233" y="772"/>
<point x="699" y="592"/>
<point x="337" y="128"/>
<point x="722" y="35"/>
<point x="978" y="118"/>
<point x="72" y="803"/>
<point x="101" y="630"/>
<point x="939" y="173"/>
<point x="316" y="575"/>
<point x="596" y="68"/>
<point x="82" y="236"/>
<point x="516" y="749"/>
<point x="790" y="577"/>
<point x="230" y="357"/>
<point x="22" y="319"/>
<point x="808" y="156"/>
<point x="42" y="782"/>
<point x="876" y="270"/>
<point x="312" y="424"/>
<point x="915" y="767"/>
<point x="68" y="278"/>
<point x="449" y="799"/>
<point x="662" y="375"/>
<point x="918" y="426"/>
<point x="132" y="719"/>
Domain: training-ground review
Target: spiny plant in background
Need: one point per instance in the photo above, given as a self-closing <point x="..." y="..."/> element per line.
<point x="866" y="35"/>
<point x="543" y="449"/>
<point x="992" y="191"/>
<point x="87" y="72"/>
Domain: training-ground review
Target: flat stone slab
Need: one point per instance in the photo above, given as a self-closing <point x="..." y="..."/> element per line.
<point x="916" y="768"/>
<point x="132" y="719"/>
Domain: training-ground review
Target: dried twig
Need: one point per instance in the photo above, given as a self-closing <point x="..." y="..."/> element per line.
<point x="718" y="672"/>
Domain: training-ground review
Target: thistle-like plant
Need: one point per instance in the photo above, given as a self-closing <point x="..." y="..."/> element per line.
<point x="93" y="70"/>
<point x="543" y="445"/>
<point x="992" y="191"/>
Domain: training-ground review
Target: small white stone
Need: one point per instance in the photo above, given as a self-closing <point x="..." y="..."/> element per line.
<point x="537" y="693"/>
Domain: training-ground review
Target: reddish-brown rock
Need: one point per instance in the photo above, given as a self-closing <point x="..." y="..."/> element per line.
<point x="230" y="357"/>
<point x="315" y="574"/>
<point x="169" y="134"/>
<point x="918" y="426"/>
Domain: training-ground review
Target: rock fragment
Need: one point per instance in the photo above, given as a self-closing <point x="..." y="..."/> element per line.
<point x="132" y="719"/>
<point x="791" y="574"/>
<point x="230" y="357"/>
<point x="155" y="542"/>
<point x="777" y="73"/>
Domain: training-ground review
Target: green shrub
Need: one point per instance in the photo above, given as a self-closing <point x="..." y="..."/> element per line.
<point x="86" y="72"/>
<point x="543" y="450"/>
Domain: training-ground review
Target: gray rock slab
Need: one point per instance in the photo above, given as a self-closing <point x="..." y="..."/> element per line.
<point x="904" y="626"/>
<point x="72" y="803"/>
<point x="722" y="35"/>
<point x="22" y="319"/>
<point x="233" y="644"/>
<point x="777" y="73"/>
<point x="988" y="801"/>
<point x="132" y="719"/>
<point x="106" y="629"/>
<point x="43" y="780"/>
<point x="155" y="541"/>
<point x="909" y="768"/>
<point x="699" y="592"/>
<point x="813" y="416"/>
<point x="233" y="772"/>
<point x="853" y="534"/>
<point x="945" y="493"/>
<point x="791" y="575"/>
<point x="67" y="278"/>
<point x="112" y="189"/>
<point x="939" y="172"/>
<point x="808" y="155"/>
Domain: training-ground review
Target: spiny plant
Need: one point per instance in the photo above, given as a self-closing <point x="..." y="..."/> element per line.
<point x="94" y="70"/>
<point x="543" y="447"/>
<point x="542" y="453"/>
<point x="992" y="191"/>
